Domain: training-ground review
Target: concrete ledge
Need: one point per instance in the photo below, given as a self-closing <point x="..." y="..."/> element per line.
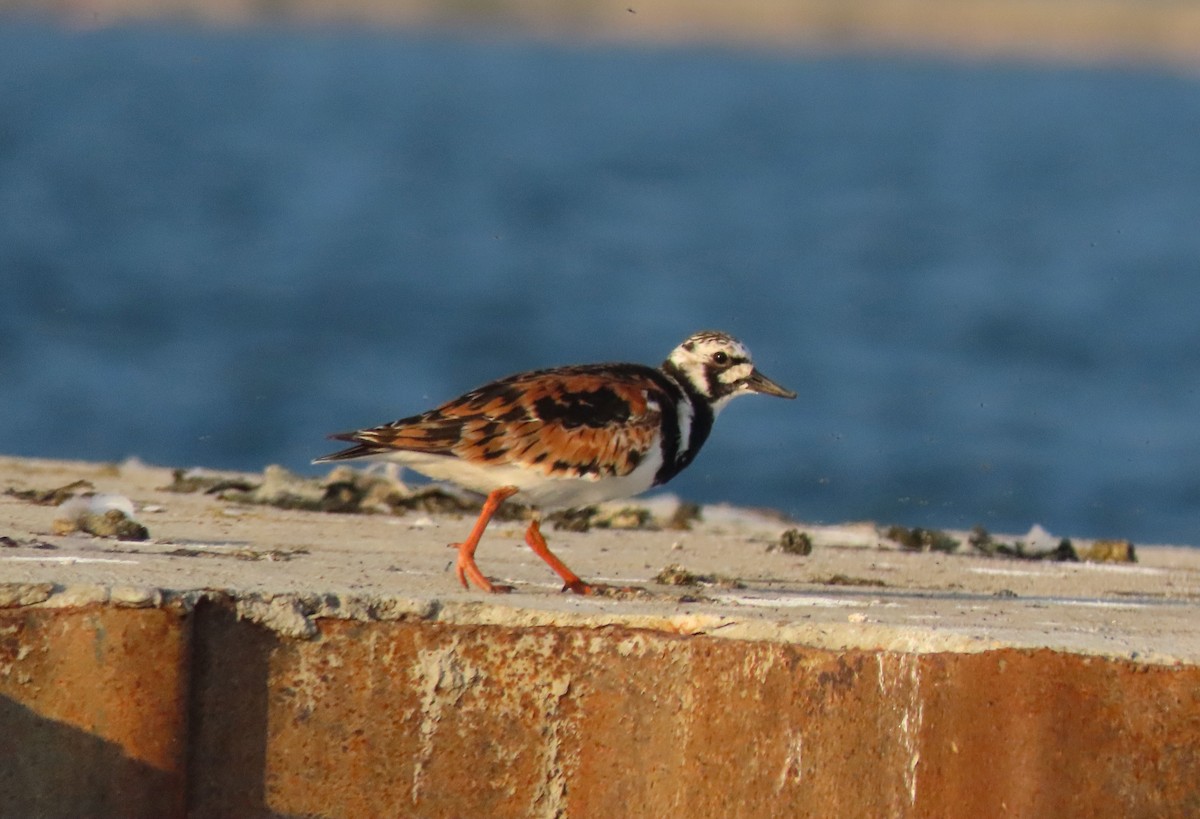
<point x="353" y="678"/>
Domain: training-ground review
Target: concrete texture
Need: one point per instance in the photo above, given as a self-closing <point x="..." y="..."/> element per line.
<point x="254" y="661"/>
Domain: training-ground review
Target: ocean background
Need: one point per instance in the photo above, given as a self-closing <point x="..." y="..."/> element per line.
<point x="983" y="278"/>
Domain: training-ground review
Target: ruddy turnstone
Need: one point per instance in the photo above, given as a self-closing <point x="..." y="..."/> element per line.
<point x="569" y="436"/>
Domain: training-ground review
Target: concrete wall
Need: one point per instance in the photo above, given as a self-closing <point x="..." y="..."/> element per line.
<point x="186" y="710"/>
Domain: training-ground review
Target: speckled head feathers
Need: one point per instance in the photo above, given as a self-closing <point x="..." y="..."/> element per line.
<point x="718" y="367"/>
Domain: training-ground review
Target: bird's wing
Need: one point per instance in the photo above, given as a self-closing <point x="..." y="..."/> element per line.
<point x="592" y="420"/>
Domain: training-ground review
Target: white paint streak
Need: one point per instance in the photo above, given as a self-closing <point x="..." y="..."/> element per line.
<point x="992" y="570"/>
<point x="68" y="560"/>
<point x="791" y="601"/>
<point x="551" y="793"/>
<point x="442" y="678"/>
<point x="902" y="687"/>
<point x="793" y="763"/>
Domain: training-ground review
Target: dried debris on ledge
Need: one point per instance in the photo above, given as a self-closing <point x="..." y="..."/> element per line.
<point x="100" y="515"/>
<point x="342" y="491"/>
<point x="677" y="575"/>
<point x="52" y="497"/>
<point x="793" y="542"/>
<point x="14" y="543"/>
<point x="849" y="580"/>
<point x="1033" y="548"/>
<point x="921" y="540"/>
<point x="345" y="490"/>
<point x="352" y="491"/>
<point x="82" y="509"/>
<point x="112" y="523"/>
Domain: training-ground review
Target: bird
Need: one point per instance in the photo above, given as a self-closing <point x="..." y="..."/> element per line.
<point x="568" y="437"/>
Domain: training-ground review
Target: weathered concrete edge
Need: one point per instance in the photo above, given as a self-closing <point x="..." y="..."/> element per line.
<point x="295" y="616"/>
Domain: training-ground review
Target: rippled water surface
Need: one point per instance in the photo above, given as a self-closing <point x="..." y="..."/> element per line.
<point x="217" y="246"/>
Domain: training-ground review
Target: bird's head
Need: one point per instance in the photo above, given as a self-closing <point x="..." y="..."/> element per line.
<point x="719" y="368"/>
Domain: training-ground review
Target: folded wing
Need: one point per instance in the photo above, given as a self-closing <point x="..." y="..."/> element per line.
<point x="597" y="420"/>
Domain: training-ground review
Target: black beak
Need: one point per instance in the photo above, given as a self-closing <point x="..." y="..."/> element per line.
<point x="757" y="382"/>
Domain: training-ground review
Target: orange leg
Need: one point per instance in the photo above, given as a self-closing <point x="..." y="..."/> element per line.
<point x="533" y="536"/>
<point x="465" y="567"/>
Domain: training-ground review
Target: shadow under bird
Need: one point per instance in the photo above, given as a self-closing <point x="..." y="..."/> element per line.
<point x="568" y="436"/>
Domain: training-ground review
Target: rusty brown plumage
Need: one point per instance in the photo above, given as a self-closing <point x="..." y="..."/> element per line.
<point x="595" y="420"/>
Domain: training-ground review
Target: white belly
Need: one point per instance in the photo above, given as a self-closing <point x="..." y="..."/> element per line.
<point x="534" y="486"/>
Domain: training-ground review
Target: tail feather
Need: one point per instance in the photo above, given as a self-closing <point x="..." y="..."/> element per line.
<point x="359" y="450"/>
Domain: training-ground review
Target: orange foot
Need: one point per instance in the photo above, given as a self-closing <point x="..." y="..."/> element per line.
<point x="468" y="571"/>
<point x="571" y="581"/>
<point x="465" y="567"/>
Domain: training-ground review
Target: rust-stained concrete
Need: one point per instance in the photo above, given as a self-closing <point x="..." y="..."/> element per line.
<point x="413" y="717"/>
<point x="355" y="679"/>
<point x="93" y="711"/>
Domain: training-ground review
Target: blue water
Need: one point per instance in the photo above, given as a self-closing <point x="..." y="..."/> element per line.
<point x="983" y="279"/>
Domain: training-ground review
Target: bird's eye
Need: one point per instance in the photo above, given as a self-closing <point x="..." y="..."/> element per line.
<point x="720" y="357"/>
